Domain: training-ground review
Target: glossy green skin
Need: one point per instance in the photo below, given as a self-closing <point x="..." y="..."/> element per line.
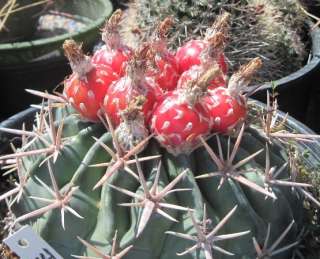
<point x="102" y="215"/>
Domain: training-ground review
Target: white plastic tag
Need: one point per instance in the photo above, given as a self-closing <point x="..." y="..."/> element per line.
<point x="29" y="245"/>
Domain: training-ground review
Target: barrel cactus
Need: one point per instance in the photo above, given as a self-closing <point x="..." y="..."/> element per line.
<point x="90" y="194"/>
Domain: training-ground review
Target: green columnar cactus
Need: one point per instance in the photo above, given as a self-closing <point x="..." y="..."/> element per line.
<point x="231" y="196"/>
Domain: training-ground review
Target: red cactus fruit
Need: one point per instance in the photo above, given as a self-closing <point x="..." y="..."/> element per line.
<point x="182" y="116"/>
<point x="114" y="53"/>
<point x="163" y="66"/>
<point x="228" y="106"/>
<point x="192" y="52"/>
<point x="132" y="85"/>
<point x="86" y="87"/>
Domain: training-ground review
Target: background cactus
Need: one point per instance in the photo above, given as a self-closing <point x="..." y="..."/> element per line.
<point x="276" y="28"/>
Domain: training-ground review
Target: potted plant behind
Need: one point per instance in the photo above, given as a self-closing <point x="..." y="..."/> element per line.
<point x="36" y="60"/>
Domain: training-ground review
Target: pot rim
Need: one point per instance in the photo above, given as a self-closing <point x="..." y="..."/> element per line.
<point x="29" y="112"/>
<point x="294" y="124"/>
<point x="50" y="40"/>
<point x="312" y="64"/>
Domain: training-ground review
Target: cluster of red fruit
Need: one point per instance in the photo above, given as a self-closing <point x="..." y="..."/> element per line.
<point x="177" y="96"/>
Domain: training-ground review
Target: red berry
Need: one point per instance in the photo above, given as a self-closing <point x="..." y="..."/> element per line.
<point x="228" y="106"/>
<point x="163" y="66"/>
<point x="225" y="110"/>
<point x="210" y="49"/>
<point x="177" y="125"/>
<point x="165" y="72"/>
<point x="194" y="73"/>
<point x="122" y="92"/>
<point x="86" y="96"/>
<point x="189" y="55"/>
<point x="115" y="58"/>
<point x="86" y="87"/>
<point x="114" y="53"/>
<point x="183" y="116"/>
<point x="129" y="87"/>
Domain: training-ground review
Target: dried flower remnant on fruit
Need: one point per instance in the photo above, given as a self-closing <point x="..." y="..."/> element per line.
<point x="86" y="87"/>
<point x="197" y="88"/>
<point x="130" y="86"/>
<point x="132" y="130"/>
<point x="162" y="65"/>
<point x="182" y="116"/>
<point x="114" y="53"/>
<point x="79" y="62"/>
<point x="110" y="32"/>
<point x="221" y="24"/>
<point x="241" y="79"/>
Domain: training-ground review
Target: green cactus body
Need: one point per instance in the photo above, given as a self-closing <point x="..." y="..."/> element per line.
<point x="102" y="215"/>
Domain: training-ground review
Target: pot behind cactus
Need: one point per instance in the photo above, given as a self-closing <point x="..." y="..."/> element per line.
<point x="39" y="63"/>
<point x="21" y="25"/>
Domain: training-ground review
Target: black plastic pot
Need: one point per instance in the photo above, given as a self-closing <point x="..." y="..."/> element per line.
<point x="40" y="64"/>
<point x="15" y="122"/>
<point x="15" y="32"/>
<point x="313" y="6"/>
<point x="41" y="75"/>
<point x="297" y="90"/>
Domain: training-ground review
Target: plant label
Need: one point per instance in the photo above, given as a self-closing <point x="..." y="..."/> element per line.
<point x="29" y="245"/>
